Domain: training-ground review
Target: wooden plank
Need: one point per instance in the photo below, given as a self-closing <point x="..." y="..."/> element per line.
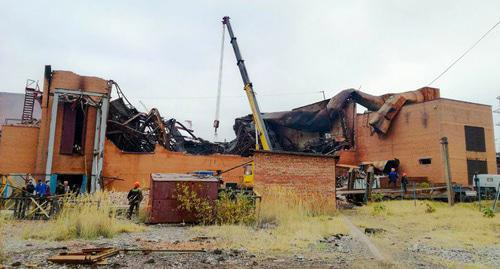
<point x="87" y="256"/>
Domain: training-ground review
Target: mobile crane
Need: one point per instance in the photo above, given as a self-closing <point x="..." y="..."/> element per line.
<point x="260" y="125"/>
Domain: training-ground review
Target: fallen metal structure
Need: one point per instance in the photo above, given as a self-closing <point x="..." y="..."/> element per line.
<point x="326" y="126"/>
<point x="134" y="131"/>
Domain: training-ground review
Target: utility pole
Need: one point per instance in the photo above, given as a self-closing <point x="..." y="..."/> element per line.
<point x="447" y="174"/>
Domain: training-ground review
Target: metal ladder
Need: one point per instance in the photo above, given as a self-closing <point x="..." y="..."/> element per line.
<point x="32" y="91"/>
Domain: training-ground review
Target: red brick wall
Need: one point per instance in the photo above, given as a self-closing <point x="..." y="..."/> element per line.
<point x="415" y="133"/>
<point x="130" y="167"/>
<point x="18" y="149"/>
<point x="308" y="174"/>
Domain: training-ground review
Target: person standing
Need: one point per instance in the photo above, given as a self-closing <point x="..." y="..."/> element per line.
<point x="47" y="189"/>
<point x="404" y="181"/>
<point x="40" y="188"/>
<point x="134" y="199"/>
<point x="393" y="177"/>
<point x="30" y="188"/>
<point x="66" y="187"/>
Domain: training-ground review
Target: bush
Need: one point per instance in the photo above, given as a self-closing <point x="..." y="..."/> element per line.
<point x="488" y="212"/>
<point x="230" y="208"/>
<point x="377" y="197"/>
<point x="379" y="209"/>
<point x="429" y="208"/>
<point x="189" y="201"/>
<point x="424" y="185"/>
<point x="234" y="209"/>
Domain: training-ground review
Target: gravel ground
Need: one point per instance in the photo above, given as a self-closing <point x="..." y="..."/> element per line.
<point x="336" y="251"/>
<point x="486" y="256"/>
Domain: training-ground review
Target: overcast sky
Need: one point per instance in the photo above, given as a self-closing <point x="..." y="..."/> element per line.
<point x="166" y="53"/>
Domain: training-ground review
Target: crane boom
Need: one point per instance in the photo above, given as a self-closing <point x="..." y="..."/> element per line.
<point x="257" y="116"/>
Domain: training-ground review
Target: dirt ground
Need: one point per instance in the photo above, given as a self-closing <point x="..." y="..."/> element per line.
<point x="390" y="247"/>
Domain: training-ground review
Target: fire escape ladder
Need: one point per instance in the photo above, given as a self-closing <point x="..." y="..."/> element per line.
<point x="31" y="93"/>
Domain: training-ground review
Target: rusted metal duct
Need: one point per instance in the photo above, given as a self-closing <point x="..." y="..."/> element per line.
<point x="327" y="126"/>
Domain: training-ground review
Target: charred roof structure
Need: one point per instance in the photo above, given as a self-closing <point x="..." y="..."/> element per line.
<point x="134" y="131"/>
<point x="324" y="127"/>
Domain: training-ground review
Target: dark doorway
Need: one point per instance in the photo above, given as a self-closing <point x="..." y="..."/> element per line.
<point x="73" y="128"/>
<point x="74" y="181"/>
<point x="476" y="166"/>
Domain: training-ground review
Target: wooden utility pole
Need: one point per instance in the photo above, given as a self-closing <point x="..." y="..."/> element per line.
<point x="447" y="174"/>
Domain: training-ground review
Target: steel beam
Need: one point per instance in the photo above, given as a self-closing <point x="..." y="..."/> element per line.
<point x="95" y="153"/>
<point x="79" y="92"/>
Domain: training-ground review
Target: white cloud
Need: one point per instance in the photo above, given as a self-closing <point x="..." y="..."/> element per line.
<point x="159" y="50"/>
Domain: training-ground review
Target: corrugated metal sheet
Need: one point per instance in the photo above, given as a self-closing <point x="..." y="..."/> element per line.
<point x="163" y="201"/>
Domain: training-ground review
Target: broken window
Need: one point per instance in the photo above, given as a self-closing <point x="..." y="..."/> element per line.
<point x="476" y="166"/>
<point x="73" y="128"/>
<point x="474" y="139"/>
<point x="425" y="161"/>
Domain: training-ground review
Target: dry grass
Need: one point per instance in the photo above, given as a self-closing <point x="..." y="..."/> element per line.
<point x="462" y="225"/>
<point x="285" y="223"/>
<point x="88" y="217"/>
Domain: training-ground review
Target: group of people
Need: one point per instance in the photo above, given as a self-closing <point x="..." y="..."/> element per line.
<point x="42" y="189"/>
<point x="394" y="176"/>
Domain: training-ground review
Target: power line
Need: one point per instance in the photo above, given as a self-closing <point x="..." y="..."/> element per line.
<point x="465" y="53"/>
<point x="227" y="96"/>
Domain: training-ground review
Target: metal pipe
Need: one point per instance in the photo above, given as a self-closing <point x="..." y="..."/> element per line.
<point x="52" y="133"/>
<point x="102" y="136"/>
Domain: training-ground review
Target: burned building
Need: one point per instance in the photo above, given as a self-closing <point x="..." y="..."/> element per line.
<point x="405" y="127"/>
<point x="90" y="135"/>
<point x="96" y="140"/>
<point x="414" y="140"/>
<point x="93" y="142"/>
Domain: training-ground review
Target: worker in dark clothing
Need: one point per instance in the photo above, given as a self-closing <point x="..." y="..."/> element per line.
<point x="393" y="177"/>
<point x="30" y="188"/>
<point x="404" y="181"/>
<point x="134" y="199"/>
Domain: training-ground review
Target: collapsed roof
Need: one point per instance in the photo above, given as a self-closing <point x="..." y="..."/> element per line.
<point x="324" y="127"/>
<point x="328" y="126"/>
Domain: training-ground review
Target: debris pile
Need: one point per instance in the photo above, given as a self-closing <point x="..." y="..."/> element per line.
<point x="134" y="131"/>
